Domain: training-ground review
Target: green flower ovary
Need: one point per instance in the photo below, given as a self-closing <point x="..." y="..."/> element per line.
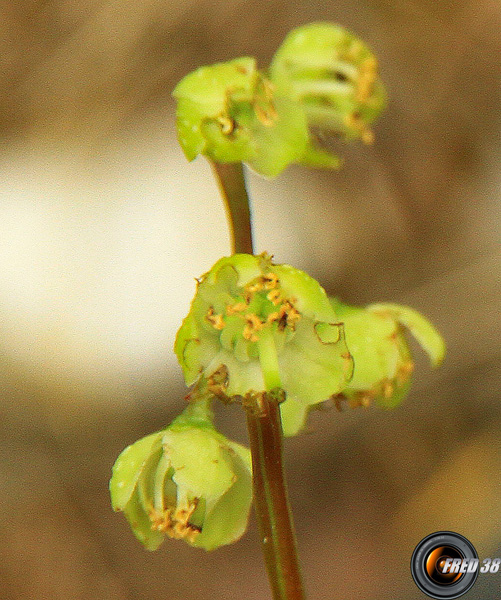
<point x="253" y="322"/>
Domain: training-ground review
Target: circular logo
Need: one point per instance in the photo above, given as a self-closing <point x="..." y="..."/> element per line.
<point x="439" y="565"/>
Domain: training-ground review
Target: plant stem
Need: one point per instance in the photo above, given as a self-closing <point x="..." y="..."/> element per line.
<point x="271" y="500"/>
<point x="263" y="422"/>
<point x="231" y="180"/>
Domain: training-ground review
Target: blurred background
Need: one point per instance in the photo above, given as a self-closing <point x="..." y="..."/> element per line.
<point x="104" y="225"/>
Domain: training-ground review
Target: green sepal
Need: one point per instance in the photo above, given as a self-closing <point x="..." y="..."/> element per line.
<point x="129" y="466"/>
<point x="293" y="414"/>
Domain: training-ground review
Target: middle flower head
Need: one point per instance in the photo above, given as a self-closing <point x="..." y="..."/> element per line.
<point x="255" y="326"/>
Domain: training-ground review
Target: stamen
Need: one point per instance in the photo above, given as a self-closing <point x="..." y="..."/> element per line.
<point x="254" y="324"/>
<point x="231" y="309"/>
<point x="274" y="296"/>
<point x="270" y="281"/>
<point x="215" y="320"/>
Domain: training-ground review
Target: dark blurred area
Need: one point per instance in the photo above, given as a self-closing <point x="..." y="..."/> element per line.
<point x="104" y="225"/>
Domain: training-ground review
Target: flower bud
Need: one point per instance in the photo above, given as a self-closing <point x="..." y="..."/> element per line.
<point x="382" y="359"/>
<point x="187" y="482"/>
<point x="333" y="75"/>
<point x="228" y="112"/>
<point x="255" y="326"/>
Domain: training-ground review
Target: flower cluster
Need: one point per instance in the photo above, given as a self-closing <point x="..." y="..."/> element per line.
<point x="256" y="327"/>
<point x="322" y="76"/>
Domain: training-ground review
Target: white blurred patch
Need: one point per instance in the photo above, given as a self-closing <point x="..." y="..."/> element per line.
<point x="99" y="255"/>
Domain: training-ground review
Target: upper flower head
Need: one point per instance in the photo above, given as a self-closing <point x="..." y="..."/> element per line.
<point x="255" y="326"/>
<point x="228" y="112"/>
<point x="187" y="482"/>
<point x="334" y="76"/>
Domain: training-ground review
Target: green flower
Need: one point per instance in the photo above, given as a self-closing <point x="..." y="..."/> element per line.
<point x="382" y="359"/>
<point x="228" y="112"/>
<point x="187" y="482"/>
<point x="255" y="326"/>
<point x="334" y="76"/>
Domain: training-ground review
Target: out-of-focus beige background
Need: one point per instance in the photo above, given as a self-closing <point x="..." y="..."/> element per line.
<point x="104" y="225"/>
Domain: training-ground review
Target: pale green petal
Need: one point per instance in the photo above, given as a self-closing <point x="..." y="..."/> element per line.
<point x="146" y="482"/>
<point x="311" y="370"/>
<point x="209" y="85"/>
<point x="199" y="462"/>
<point x="243" y="377"/>
<point x="371" y="340"/>
<point x="141" y="525"/>
<point x="425" y="333"/>
<point x="246" y="266"/>
<point x="227" y="521"/>
<point x="281" y="144"/>
<point x="128" y="468"/>
<point x="316" y="157"/>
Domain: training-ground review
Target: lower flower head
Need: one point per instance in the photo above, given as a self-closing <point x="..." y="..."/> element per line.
<point x="255" y="326"/>
<point x="187" y="482"/>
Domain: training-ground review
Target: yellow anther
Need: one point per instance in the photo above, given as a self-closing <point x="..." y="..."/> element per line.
<point x="353" y="120"/>
<point x="215" y="320"/>
<point x="274" y="296"/>
<point x="274" y="316"/>
<point x="368" y="136"/>
<point x="270" y="281"/>
<point x="232" y="309"/>
<point x="176" y="525"/>
<point x="404" y="372"/>
<point x="292" y="315"/>
<point x="363" y="399"/>
<point x="255" y="287"/>
<point x="388" y="389"/>
<point x="347" y="363"/>
<point x="161" y="521"/>
<point x="227" y="124"/>
<point x="217" y="383"/>
<point x="254" y="324"/>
